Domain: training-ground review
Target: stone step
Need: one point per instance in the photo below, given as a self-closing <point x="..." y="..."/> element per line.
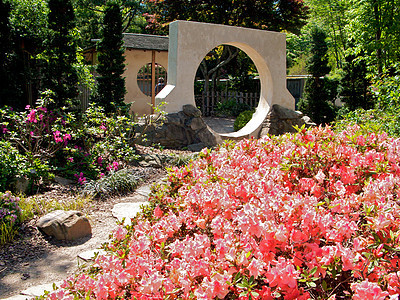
<point x="17" y="297"/>
<point x="38" y="290"/>
<point x="127" y="210"/>
<point x="144" y="190"/>
<point x="90" y="254"/>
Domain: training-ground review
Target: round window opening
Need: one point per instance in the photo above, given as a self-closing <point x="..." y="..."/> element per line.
<point x="227" y="88"/>
<point x="146" y="81"/>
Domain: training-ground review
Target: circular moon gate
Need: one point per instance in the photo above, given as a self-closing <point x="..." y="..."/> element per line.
<point x="189" y="43"/>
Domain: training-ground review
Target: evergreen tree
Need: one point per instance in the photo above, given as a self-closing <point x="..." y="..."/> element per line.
<point x="60" y="75"/>
<point x="111" y="85"/>
<point x="354" y="84"/>
<point x="317" y="100"/>
<point x="5" y="50"/>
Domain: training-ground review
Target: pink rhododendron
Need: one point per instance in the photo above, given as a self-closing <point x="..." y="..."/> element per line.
<point x="312" y="214"/>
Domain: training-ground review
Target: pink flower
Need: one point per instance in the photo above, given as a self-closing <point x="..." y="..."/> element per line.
<point x="71" y="159"/>
<point x="256" y="267"/>
<point x="99" y="160"/>
<point x="32" y="116"/>
<point x="67" y="137"/>
<point x="368" y="291"/>
<point x="158" y="213"/>
<point x="102" y="127"/>
<point x="120" y="233"/>
<point x="57" y="137"/>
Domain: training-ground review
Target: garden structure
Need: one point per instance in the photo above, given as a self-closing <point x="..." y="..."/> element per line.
<point x="146" y="59"/>
<point x="189" y="43"/>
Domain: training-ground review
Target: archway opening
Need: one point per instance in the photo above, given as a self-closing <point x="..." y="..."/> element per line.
<point x="227" y="88"/>
<point x="149" y="78"/>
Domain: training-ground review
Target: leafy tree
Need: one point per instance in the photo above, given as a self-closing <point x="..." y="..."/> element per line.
<point x="375" y="27"/>
<point x="333" y="17"/>
<point x="111" y="84"/>
<point x="89" y="18"/>
<point x="355" y="83"/>
<point x="59" y="73"/>
<point x="266" y="14"/>
<point x="316" y="102"/>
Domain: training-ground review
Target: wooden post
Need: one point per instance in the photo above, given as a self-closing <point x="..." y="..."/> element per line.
<point x="153" y="80"/>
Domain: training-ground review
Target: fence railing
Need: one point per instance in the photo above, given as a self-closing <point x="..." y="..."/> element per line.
<point x="207" y="102"/>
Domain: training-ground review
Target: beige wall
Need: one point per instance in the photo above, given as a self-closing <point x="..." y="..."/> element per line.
<point x="135" y="60"/>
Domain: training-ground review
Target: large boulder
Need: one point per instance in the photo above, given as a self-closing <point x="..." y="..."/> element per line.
<point x="65" y="225"/>
<point x="183" y="129"/>
<point x="281" y="120"/>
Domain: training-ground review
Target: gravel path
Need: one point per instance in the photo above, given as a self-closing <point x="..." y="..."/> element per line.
<point x="35" y="259"/>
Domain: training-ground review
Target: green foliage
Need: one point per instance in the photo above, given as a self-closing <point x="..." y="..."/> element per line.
<point x="374" y="26"/>
<point x="59" y="74"/>
<point x="355" y="84"/>
<point x="318" y="63"/>
<point x="373" y="120"/>
<point x="12" y="165"/>
<point x="10" y="213"/>
<point x="230" y="108"/>
<point x="11" y="65"/>
<point x="111" y="84"/>
<point x="243" y="118"/>
<point x="119" y="182"/>
<point x="386" y="90"/>
<point x="266" y="14"/>
<point x="318" y="98"/>
<point x="333" y="17"/>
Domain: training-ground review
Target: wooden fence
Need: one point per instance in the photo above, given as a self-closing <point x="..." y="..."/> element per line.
<point x="208" y="102"/>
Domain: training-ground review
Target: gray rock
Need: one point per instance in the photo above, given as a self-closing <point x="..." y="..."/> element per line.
<point x="65" y="225"/>
<point x="191" y="111"/>
<point x="179" y="130"/>
<point x="197" y="124"/>
<point x="281" y="120"/>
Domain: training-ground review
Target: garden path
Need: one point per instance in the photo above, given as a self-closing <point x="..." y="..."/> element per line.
<point x="220" y="125"/>
<point x="27" y="275"/>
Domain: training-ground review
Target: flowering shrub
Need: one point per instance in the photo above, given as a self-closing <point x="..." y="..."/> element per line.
<point x="308" y="215"/>
<point x="76" y="146"/>
<point x="10" y="213"/>
<point x="9" y="209"/>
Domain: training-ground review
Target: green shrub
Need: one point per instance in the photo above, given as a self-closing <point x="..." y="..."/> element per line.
<point x="373" y="120"/>
<point x="11" y="165"/>
<point x="230" y="108"/>
<point x="119" y="182"/>
<point x="243" y="119"/>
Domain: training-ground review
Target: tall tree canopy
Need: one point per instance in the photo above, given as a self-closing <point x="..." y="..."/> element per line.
<point x="274" y="15"/>
<point x="111" y="84"/>
<point x="89" y="18"/>
<point x="59" y="73"/>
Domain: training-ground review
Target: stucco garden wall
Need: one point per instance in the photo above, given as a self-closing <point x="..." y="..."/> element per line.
<point x="135" y="60"/>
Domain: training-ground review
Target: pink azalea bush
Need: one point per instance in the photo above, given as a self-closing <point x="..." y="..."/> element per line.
<point x="309" y="215"/>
